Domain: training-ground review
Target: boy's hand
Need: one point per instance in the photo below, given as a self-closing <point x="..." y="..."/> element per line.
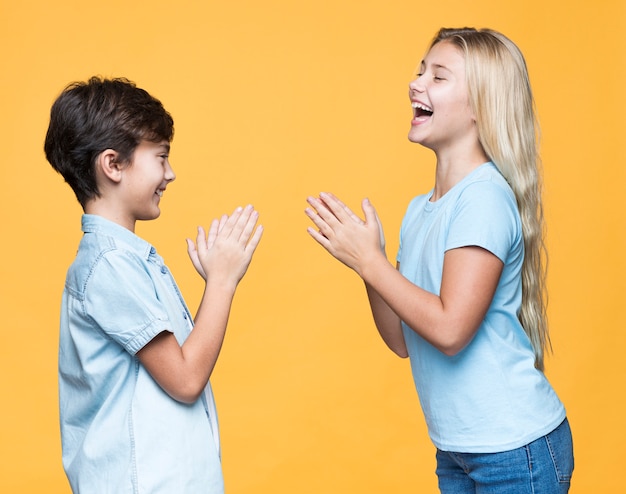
<point x="224" y="254"/>
<point x="193" y="255"/>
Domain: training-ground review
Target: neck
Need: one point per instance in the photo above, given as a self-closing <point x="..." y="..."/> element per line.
<point x="451" y="169"/>
<point x="100" y="207"/>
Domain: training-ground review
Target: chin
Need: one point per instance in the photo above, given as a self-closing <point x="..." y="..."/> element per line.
<point x="151" y="216"/>
<point x="414" y="139"/>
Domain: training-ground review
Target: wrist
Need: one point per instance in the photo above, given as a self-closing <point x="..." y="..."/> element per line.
<point x="223" y="285"/>
<point x="371" y="266"/>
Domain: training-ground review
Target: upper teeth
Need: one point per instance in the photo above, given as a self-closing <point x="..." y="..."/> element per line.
<point x="415" y="104"/>
<point x="159" y="193"/>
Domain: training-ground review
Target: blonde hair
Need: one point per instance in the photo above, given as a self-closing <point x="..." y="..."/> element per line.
<point x="502" y="102"/>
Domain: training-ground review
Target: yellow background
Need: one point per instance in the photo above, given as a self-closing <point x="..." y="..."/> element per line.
<point x="275" y="100"/>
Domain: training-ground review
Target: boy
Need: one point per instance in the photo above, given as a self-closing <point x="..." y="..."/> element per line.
<point x="136" y="407"/>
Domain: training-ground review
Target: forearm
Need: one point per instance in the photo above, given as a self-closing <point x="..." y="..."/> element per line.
<point x="421" y="310"/>
<point x="202" y="347"/>
<point x="183" y="372"/>
<point x="387" y="322"/>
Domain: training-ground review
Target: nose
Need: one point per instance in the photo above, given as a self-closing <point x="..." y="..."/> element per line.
<point x="416" y="86"/>
<point x="170" y="176"/>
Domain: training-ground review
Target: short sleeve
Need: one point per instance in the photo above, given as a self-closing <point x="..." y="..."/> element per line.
<point x="485" y="215"/>
<point x="120" y="297"/>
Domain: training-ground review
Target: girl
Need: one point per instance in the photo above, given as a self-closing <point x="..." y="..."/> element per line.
<point x="466" y="301"/>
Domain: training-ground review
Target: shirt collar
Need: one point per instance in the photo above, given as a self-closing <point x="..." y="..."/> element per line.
<point x="91" y="223"/>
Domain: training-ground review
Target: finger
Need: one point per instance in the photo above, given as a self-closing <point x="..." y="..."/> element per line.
<point x="319" y="238"/>
<point x="371" y="217"/>
<point x="250" y="222"/>
<point x="339" y="209"/>
<point x="223" y="221"/>
<point x="231" y="226"/>
<point x="193" y="255"/>
<point x="201" y="241"/>
<point x="321" y="214"/>
<point x="236" y="214"/>
<point x="213" y="232"/>
<point x="246" y="216"/>
<point x="334" y="198"/>
<point x="255" y="239"/>
<point x="228" y="223"/>
<point x="323" y="227"/>
<point x="191" y="249"/>
<point x="370" y="213"/>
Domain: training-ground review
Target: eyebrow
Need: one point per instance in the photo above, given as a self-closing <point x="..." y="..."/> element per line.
<point x="435" y="65"/>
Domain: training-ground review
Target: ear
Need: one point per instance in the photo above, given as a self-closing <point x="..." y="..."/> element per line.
<point x="109" y="165"/>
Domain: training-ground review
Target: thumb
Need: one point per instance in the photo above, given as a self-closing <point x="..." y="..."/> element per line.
<point x="371" y="218"/>
<point x="190" y="246"/>
<point x="369" y="211"/>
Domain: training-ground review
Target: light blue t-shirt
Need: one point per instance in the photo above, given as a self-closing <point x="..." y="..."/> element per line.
<point x="489" y="397"/>
<point x="121" y="433"/>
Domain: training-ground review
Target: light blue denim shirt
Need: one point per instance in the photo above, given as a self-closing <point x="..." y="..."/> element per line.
<point x="121" y="433"/>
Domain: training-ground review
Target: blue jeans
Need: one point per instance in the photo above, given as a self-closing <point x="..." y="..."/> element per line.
<point x="542" y="467"/>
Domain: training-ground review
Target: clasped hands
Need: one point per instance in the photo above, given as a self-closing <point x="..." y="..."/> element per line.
<point x="225" y="252"/>
<point x="346" y="236"/>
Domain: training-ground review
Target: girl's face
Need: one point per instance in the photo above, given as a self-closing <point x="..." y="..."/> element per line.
<point x="442" y="117"/>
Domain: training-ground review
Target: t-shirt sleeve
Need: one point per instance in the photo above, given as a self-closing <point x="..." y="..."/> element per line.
<point x="120" y="297"/>
<point x="486" y="216"/>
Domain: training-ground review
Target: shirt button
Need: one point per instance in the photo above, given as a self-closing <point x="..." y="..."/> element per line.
<point x="163" y="270"/>
<point x="152" y="250"/>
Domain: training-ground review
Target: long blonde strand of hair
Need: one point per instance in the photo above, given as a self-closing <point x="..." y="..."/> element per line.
<point x="501" y="97"/>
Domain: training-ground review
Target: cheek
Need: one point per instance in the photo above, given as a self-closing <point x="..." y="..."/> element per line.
<point x="465" y="109"/>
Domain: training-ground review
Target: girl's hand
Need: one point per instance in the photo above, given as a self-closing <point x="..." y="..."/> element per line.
<point x="342" y="233"/>
<point x="224" y="254"/>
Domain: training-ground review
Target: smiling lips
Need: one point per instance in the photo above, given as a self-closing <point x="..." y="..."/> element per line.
<point x="421" y="110"/>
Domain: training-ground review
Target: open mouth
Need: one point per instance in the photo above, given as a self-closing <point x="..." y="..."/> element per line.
<point x="421" y="110"/>
<point x="159" y="193"/>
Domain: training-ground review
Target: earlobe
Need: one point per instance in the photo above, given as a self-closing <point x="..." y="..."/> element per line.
<point x="109" y="165"/>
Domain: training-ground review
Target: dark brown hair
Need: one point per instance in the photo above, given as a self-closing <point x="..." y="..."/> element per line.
<point x="90" y="117"/>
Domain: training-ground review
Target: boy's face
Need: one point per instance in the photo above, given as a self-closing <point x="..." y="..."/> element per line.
<point x="144" y="180"/>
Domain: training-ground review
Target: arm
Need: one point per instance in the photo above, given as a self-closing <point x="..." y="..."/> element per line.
<point x="449" y="320"/>
<point x="386" y="320"/>
<point x="222" y="259"/>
